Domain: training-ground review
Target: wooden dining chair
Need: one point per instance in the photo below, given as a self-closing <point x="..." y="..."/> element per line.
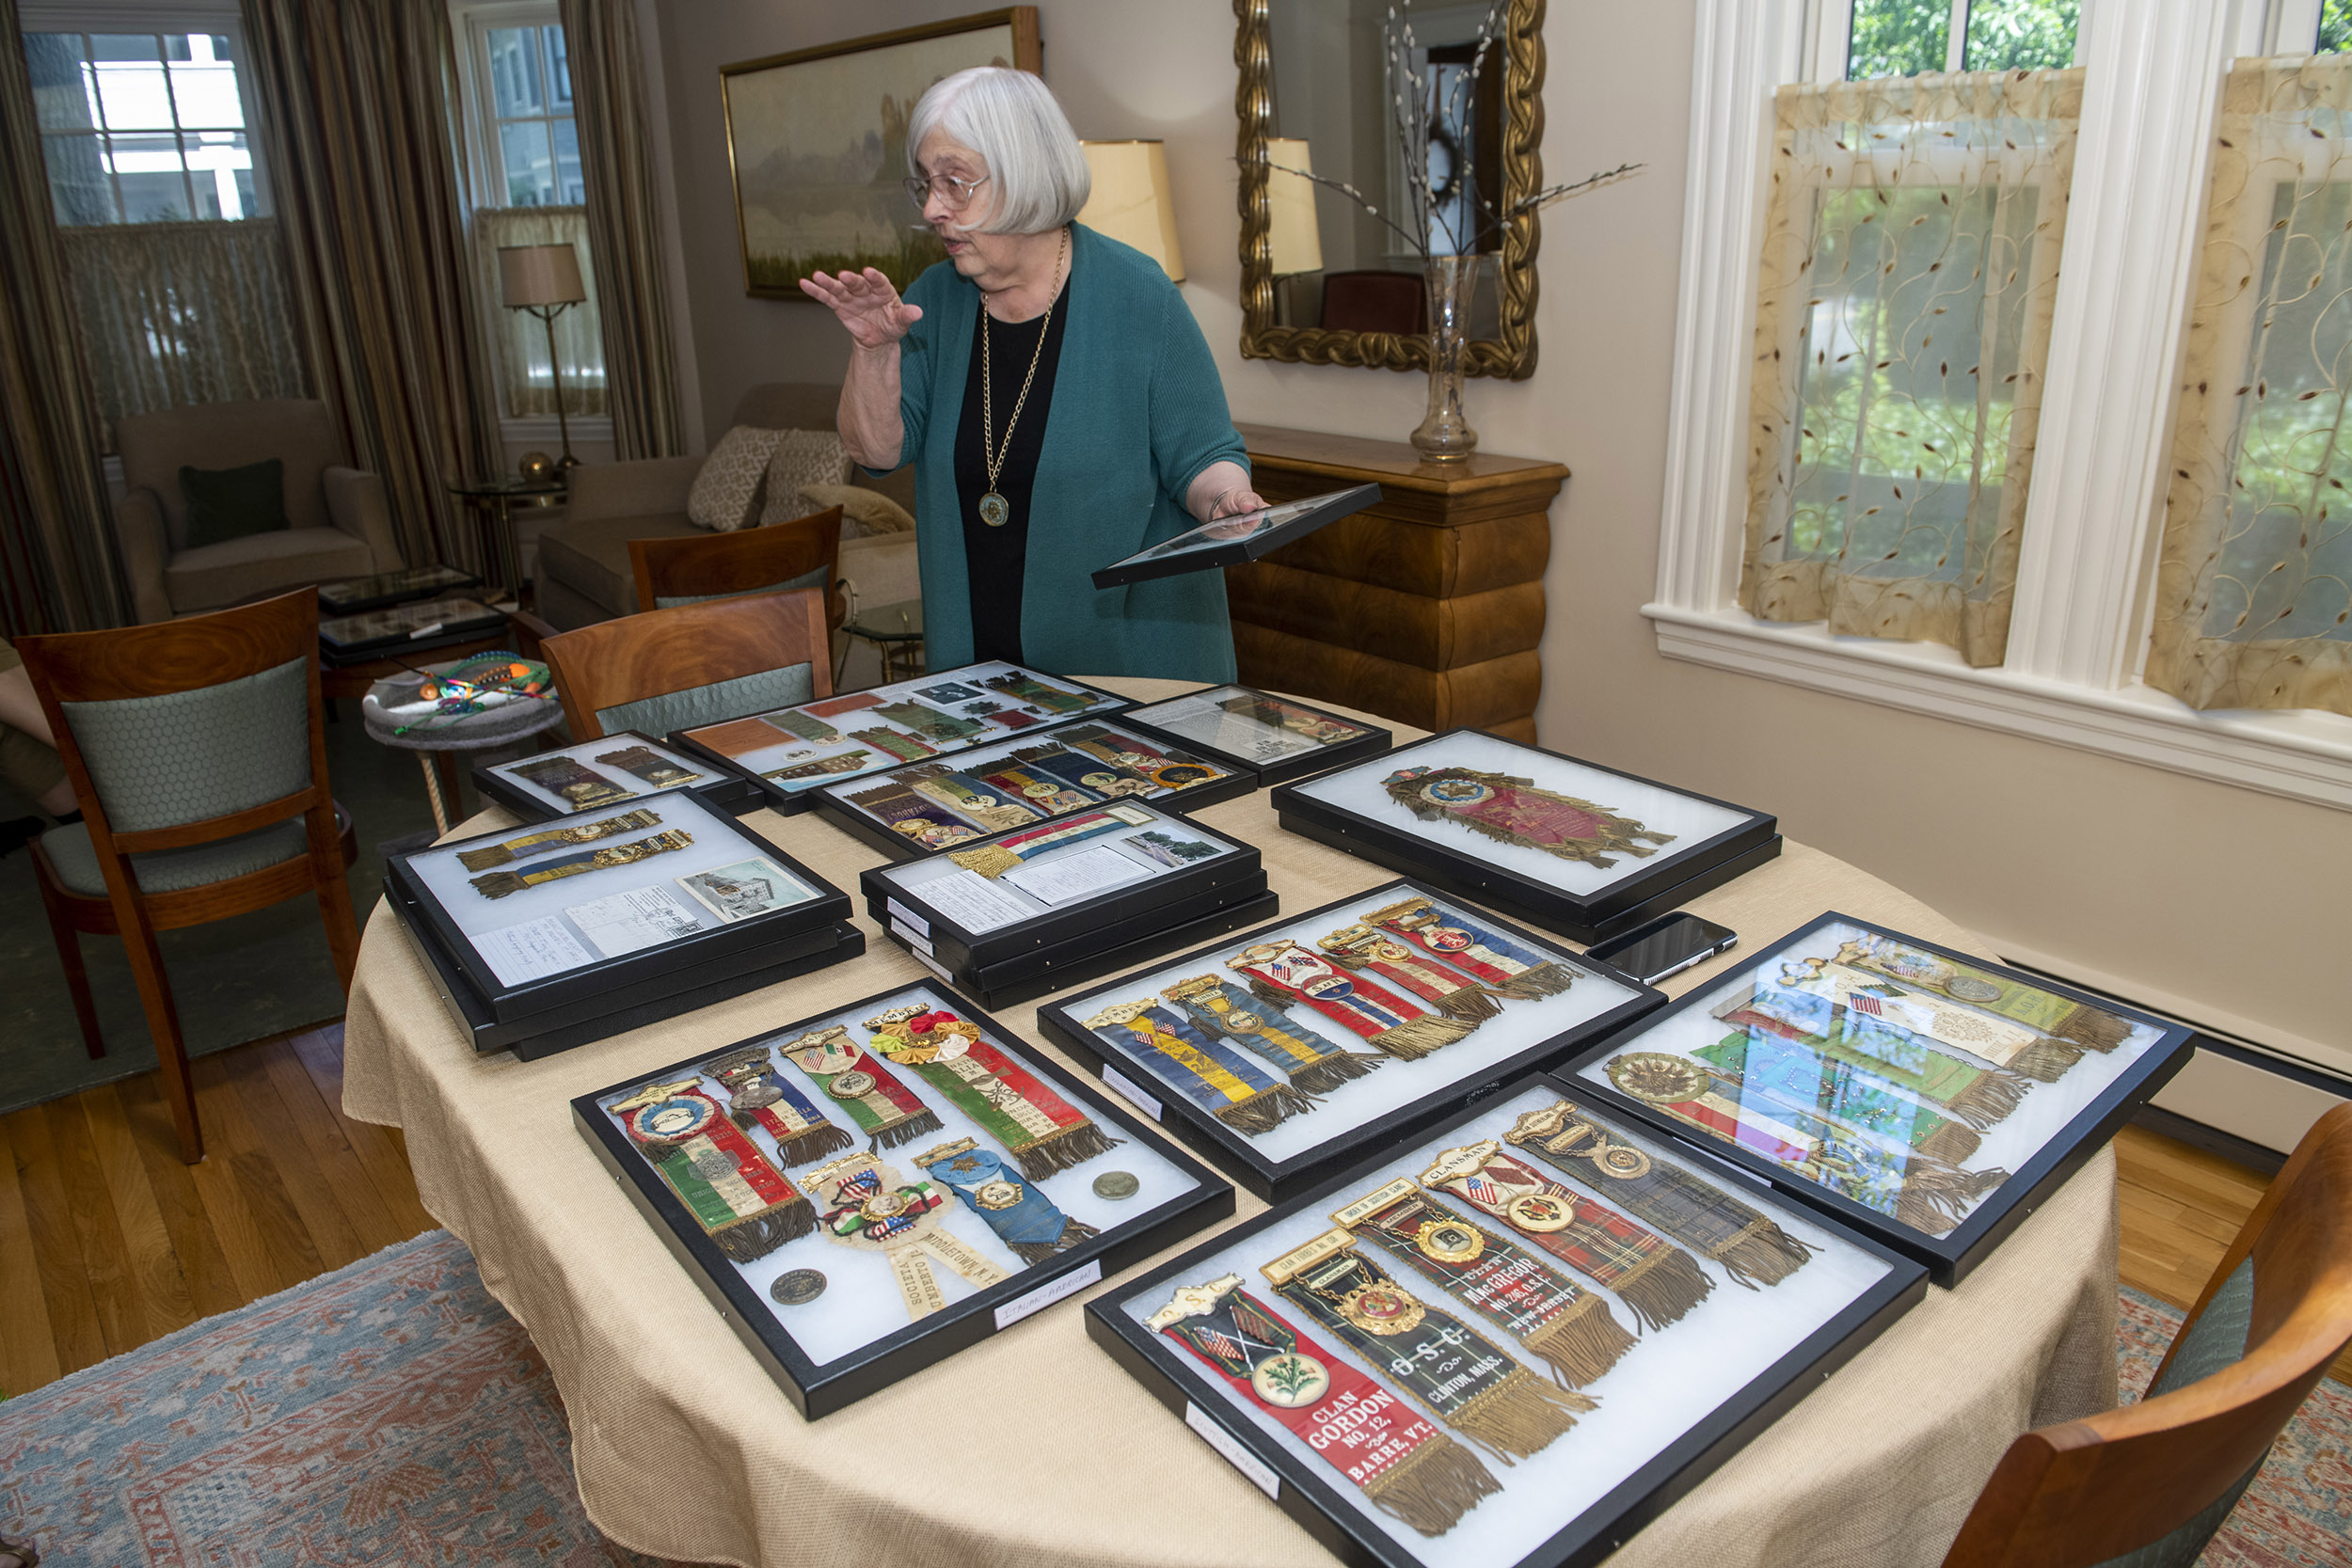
<point x="196" y="751"/>
<point x="2147" y="1486"/>
<point x="698" y="664"/>
<point x="802" y="553"/>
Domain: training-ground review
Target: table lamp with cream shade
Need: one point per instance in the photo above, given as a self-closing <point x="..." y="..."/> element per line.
<point x="545" y="281"/>
<point x="1131" y="201"/>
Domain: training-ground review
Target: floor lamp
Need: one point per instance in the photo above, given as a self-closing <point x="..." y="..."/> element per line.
<point x="545" y="281"/>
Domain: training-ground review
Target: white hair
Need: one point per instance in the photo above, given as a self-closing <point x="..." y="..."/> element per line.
<point x="1038" y="174"/>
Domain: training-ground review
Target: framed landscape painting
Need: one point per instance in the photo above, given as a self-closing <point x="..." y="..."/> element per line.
<point x="817" y="141"/>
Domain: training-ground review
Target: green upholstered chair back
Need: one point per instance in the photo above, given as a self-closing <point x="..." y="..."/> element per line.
<point x="696" y="705"/>
<point x="807" y="580"/>
<point x="182" y="756"/>
<point x="664" y="670"/>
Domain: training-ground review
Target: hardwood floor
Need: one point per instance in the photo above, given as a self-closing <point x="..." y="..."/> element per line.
<point x="107" y="1241"/>
<point x="127" y="1244"/>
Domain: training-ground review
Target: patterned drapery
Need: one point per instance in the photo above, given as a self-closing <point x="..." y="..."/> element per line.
<point x="183" y="313"/>
<point x="1910" y="255"/>
<point x="2255" y="586"/>
<point x="517" y="338"/>
<point x="59" y="567"/>
<point x="623" y="227"/>
<point x="354" y="106"/>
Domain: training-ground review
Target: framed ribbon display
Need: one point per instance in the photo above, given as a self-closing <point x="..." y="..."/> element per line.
<point x="844" y="1265"/>
<point x="1036" y="788"/>
<point x="1893" y="1081"/>
<point x="1651" y="1275"/>
<point x="1043" y="1132"/>
<point x="1579" y="849"/>
<point x="1751" y="1246"/>
<point x="1383" y="1020"/>
<point x="1221" y="1009"/>
<point x="588" y="775"/>
<point x="501" y="884"/>
<point x="1303" y="1342"/>
<point x="787" y="754"/>
<point x="1275" y="739"/>
<point x="994" y="860"/>
<point x="1007" y="1200"/>
<point x="1289" y="1051"/>
<point x="973" y="799"/>
<point x="1374" y="1440"/>
<point x="660" y="772"/>
<point x="567" y="779"/>
<point x="551" y="841"/>
<point x="1094" y="774"/>
<point x="1571" y="1330"/>
<point x="1435" y="1360"/>
<point x="1165" y="765"/>
<point x="743" y="1203"/>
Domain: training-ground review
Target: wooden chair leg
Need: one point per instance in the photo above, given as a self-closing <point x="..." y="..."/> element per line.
<point x="162" y="1022"/>
<point x="343" y="931"/>
<point x="77" y="973"/>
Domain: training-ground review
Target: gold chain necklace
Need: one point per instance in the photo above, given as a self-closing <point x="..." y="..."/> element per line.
<point x="994" y="510"/>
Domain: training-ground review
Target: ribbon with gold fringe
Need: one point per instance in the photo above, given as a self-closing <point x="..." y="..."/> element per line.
<point x="1043" y="1131"/>
<point x="1283" y="969"/>
<point x="744" y="1204"/>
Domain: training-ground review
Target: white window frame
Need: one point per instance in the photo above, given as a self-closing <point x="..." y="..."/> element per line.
<point x="222" y="17"/>
<point x="471" y="22"/>
<point x="2078" y="632"/>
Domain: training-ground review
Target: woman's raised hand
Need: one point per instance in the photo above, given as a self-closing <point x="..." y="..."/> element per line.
<point x="868" y="305"/>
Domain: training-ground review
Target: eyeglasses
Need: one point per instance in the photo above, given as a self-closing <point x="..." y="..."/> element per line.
<point x="955" y="191"/>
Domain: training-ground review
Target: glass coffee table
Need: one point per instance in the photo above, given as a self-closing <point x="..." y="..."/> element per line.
<point x="895" y="631"/>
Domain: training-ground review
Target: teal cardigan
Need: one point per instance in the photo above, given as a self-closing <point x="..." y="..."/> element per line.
<point x="1137" y="413"/>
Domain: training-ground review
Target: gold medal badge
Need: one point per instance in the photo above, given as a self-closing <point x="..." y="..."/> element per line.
<point x="1449" y="1241"/>
<point x="1381" y="1309"/>
<point x="1541" y="1214"/>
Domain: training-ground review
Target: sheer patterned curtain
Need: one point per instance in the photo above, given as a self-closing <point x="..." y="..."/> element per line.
<point x="183" y="313"/>
<point x="624" y="225"/>
<point x="2254" y="585"/>
<point x="519" y="340"/>
<point x="1911" y="255"/>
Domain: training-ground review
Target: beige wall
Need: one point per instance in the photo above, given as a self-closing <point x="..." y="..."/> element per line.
<point x="2218" y="900"/>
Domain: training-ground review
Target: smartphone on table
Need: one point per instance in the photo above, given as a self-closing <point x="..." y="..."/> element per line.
<point x="1664" y="946"/>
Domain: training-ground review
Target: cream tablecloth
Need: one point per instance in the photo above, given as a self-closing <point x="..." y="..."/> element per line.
<point x="1032" y="1447"/>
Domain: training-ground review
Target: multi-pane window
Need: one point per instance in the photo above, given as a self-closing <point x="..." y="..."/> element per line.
<point x="533" y="144"/>
<point x="1906" y="37"/>
<point x="142" y="127"/>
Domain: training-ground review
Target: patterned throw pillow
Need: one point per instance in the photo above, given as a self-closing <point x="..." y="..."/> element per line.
<point x="728" y="484"/>
<point x="801" y="457"/>
<point x="864" y="512"/>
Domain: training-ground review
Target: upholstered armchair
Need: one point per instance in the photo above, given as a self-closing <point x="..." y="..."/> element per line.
<point x="340" y="521"/>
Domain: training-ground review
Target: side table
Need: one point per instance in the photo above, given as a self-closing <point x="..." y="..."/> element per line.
<point x="493" y="503"/>
<point x="1425" y="607"/>
<point x="438" y="745"/>
<point x="891" y="628"/>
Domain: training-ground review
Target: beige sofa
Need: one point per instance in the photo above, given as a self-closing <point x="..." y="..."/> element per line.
<point x="341" y="524"/>
<point x="584" y="574"/>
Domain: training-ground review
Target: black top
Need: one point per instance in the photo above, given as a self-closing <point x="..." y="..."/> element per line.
<point x="994" y="557"/>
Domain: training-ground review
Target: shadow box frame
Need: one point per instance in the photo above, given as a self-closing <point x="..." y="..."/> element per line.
<point x="1324" y="1510"/>
<point x="819" y="1389"/>
<point x="723" y="787"/>
<point x="792" y="802"/>
<point x="1324" y="759"/>
<point x="1280" y="1181"/>
<point x="1314" y="511"/>
<point x="1666" y="881"/>
<point x="1952" y="1257"/>
<point x="832" y="800"/>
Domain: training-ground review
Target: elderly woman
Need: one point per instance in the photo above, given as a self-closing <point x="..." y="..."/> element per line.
<point x="1056" y="398"/>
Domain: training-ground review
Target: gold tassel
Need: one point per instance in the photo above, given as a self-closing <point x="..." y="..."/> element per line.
<point x="1545" y="979"/>
<point x="1471" y="1003"/>
<point x="1663" y="1287"/>
<point x="1953" y="1141"/>
<point x="484" y="859"/>
<point x="1410" y="1041"/>
<point x="749" y="1240"/>
<point x="989" y="860"/>
<point x="497" y="884"/>
<point x="2100" y="1030"/>
<point x="2045" y="1061"/>
<point x="1432" y="1487"/>
<point x="1328" y="1073"/>
<point x="1763" y="1253"/>
<point x="919" y="1126"/>
<point x="1519" y="1416"/>
<point x="1583" y="1343"/>
<point x="803" y="1148"/>
<point x="1064" y="1150"/>
<point x="1265" y="1110"/>
<point x="1995" y="1094"/>
<point x="1073" y="1232"/>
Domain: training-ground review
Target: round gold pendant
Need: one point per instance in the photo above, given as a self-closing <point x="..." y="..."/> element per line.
<point x="1625" y="1162"/>
<point x="994" y="510"/>
<point x="1450" y="1240"/>
<point x="1381" y="1309"/>
<point x="1541" y="1214"/>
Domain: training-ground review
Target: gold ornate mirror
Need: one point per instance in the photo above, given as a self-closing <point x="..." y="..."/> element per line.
<point x="1321" y="281"/>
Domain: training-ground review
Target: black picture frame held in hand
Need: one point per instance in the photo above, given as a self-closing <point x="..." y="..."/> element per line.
<point x="1230" y="541"/>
